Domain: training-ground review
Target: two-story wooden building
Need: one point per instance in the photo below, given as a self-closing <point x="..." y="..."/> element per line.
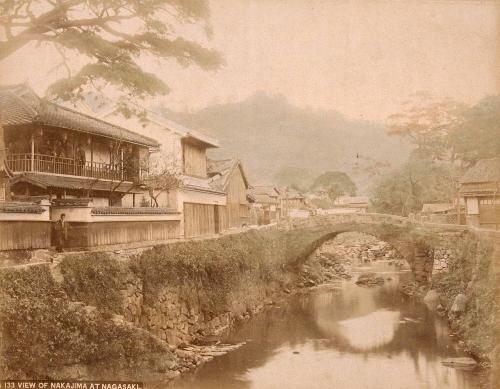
<point x="56" y="151"/>
<point x="84" y="166"/>
<point x="228" y="176"/>
<point x="480" y="187"/>
<point x="183" y="151"/>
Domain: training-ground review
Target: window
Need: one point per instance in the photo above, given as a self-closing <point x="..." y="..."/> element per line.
<point x="489" y="200"/>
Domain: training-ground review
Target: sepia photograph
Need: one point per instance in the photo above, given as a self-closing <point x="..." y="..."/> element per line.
<point x="249" y="194"/>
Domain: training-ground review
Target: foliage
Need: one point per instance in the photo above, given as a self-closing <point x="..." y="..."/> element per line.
<point x="95" y="279"/>
<point x="162" y="182"/>
<point x="418" y="182"/>
<point x="219" y="265"/>
<point x="477" y="135"/>
<point x="448" y="130"/>
<point x="335" y="183"/>
<point x="427" y="124"/>
<point x="472" y="263"/>
<point x="39" y="319"/>
<point x="112" y="37"/>
<point x="42" y="330"/>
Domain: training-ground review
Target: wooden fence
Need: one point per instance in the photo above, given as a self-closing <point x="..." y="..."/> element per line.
<point x="121" y="232"/>
<point x="199" y="219"/>
<point x="24" y="235"/>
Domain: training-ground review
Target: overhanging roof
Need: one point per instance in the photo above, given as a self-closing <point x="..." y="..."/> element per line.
<point x="19" y="105"/>
<point x="186" y="133"/>
<point x="159" y="119"/>
<point x="46" y="181"/>
<point x="221" y="170"/>
<point x="267" y="190"/>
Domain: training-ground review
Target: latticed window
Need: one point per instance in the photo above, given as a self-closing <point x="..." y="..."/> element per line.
<point x="489" y="201"/>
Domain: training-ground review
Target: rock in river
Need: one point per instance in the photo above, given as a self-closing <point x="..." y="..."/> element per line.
<point x="431" y="299"/>
<point x="459" y="303"/>
<point x="460" y="363"/>
<point x="369" y="279"/>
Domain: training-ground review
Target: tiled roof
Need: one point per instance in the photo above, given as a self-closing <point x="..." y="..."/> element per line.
<point x="268" y="190"/>
<point x="131" y="211"/>
<point x="199" y="184"/>
<point x="220" y="166"/>
<point x="263" y="199"/>
<point x="20" y="208"/>
<point x="78" y="183"/>
<point x="220" y="171"/>
<point x="14" y="111"/>
<point x="185" y="132"/>
<point x="163" y="122"/>
<point x="20" y="105"/>
<point x="485" y="170"/>
<point x="267" y="194"/>
<point x="289" y="193"/>
<point x="78" y="202"/>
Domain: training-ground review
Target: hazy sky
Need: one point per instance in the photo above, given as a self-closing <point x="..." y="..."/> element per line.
<point x="362" y="58"/>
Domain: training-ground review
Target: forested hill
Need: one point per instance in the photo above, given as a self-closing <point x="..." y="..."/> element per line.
<point x="269" y="134"/>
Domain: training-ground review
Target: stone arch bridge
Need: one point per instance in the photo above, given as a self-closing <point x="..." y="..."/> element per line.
<point x="427" y="247"/>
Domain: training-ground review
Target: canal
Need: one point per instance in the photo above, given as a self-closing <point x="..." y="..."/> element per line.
<point x="340" y="336"/>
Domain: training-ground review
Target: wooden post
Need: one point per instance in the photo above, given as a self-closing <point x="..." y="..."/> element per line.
<point x="32" y="151"/>
<point x="91" y="158"/>
<point x="121" y="163"/>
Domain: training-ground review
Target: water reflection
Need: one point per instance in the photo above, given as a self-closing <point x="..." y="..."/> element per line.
<point x="373" y="330"/>
<point x="348" y="339"/>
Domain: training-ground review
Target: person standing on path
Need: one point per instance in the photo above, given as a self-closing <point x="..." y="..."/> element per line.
<point x="61" y="233"/>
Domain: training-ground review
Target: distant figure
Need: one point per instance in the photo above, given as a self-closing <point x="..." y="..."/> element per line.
<point x="80" y="155"/>
<point x="61" y="233"/>
<point x="58" y="149"/>
<point x="44" y="147"/>
<point x="80" y="159"/>
<point x="67" y="149"/>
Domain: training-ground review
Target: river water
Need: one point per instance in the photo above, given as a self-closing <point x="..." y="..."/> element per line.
<point x="347" y="338"/>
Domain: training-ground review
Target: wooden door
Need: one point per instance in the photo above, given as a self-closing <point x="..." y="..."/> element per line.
<point x="489" y="213"/>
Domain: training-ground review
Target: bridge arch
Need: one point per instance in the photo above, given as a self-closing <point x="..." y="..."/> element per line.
<point x="414" y="243"/>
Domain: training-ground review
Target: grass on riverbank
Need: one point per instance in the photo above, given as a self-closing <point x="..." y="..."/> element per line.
<point x="42" y="329"/>
<point x="471" y="272"/>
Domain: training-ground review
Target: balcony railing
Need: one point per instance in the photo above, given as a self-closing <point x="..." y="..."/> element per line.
<point x="61" y="165"/>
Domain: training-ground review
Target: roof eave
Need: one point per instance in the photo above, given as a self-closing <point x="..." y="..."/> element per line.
<point x="148" y="145"/>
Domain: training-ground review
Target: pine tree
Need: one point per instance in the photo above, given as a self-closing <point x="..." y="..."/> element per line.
<point x="113" y="36"/>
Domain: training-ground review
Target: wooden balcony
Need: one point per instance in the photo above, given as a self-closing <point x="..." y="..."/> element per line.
<point x="60" y="165"/>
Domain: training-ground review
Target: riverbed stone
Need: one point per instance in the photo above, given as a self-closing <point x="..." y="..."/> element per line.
<point x="459" y="304"/>
<point x="369" y="279"/>
<point x="431" y="299"/>
<point x="461" y="362"/>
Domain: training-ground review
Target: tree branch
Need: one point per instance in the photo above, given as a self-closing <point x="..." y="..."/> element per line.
<point x="39" y="26"/>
